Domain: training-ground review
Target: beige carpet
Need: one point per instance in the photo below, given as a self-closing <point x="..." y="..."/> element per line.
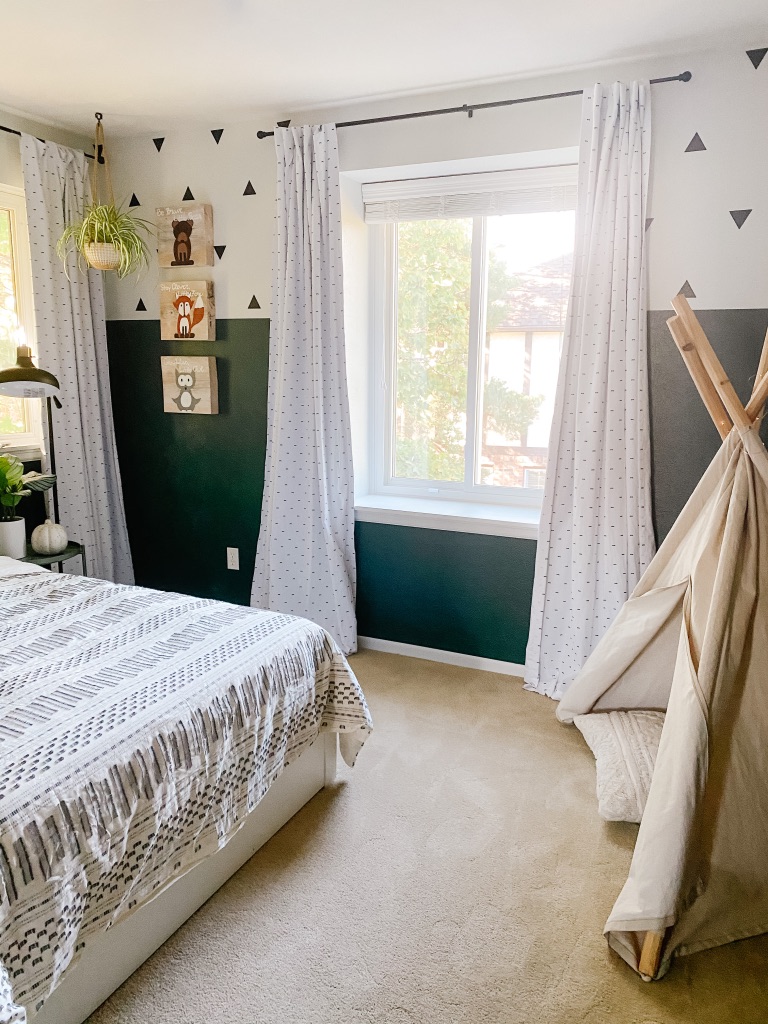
<point x="459" y="874"/>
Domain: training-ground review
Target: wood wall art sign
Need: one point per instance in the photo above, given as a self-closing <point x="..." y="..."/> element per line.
<point x="190" y="384"/>
<point x="187" y="311"/>
<point x="185" y="235"/>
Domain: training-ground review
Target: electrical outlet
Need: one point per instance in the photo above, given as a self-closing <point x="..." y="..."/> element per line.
<point x="233" y="558"/>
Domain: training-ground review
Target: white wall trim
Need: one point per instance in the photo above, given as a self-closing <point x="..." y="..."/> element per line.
<point x="458" y="516"/>
<point x="506" y="668"/>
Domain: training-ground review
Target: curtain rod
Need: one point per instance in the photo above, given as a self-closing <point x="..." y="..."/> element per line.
<point x="15" y="131"/>
<point x="470" y="108"/>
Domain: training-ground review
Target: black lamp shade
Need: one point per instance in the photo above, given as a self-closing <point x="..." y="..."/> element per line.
<point x="25" y="380"/>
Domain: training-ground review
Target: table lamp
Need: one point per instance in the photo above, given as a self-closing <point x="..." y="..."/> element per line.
<point x="25" y="380"/>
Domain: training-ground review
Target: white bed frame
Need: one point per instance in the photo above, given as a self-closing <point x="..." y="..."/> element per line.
<point x="112" y="957"/>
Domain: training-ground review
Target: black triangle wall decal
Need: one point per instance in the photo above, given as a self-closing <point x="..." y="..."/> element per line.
<point x="158" y="144"/>
<point x="134" y="201"/>
<point x="254" y="303"/>
<point x="695" y="145"/>
<point x="687" y="291"/>
<point x="756" y="56"/>
<point x="187" y="194"/>
<point x="648" y="222"/>
<point x="217" y="133"/>
<point x="140" y="307"/>
<point x="249" y="190"/>
<point x="739" y="216"/>
<point x="219" y="250"/>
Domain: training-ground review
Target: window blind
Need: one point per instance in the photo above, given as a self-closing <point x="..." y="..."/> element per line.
<point x="488" y="194"/>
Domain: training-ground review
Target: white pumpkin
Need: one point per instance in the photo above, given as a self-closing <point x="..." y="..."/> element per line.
<point x="49" y="539"/>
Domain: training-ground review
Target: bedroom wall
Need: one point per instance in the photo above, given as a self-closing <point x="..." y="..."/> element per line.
<point x="10" y="160"/>
<point x="447" y="590"/>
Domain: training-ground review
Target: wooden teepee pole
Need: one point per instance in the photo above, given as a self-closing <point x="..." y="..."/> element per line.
<point x="756" y="404"/>
<point x="651" y="953"/>
<point x="711" y="363"/>
<point x="700" y="377"/>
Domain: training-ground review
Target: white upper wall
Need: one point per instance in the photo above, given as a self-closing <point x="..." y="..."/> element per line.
<point x="692" y="237"/>
<point x="10" y="159"/>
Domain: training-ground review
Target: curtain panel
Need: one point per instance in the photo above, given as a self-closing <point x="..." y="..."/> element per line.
<point x="72" y="344"/>
<point x="305" y="559"/>
<point x="596" y="535"/>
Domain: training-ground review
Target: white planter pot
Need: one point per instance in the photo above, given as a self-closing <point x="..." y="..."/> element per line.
<point x="13" y="538"/>
<point x="102" y="256"/>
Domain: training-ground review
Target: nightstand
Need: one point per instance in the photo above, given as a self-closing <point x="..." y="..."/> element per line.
<point x="72" y="550"/>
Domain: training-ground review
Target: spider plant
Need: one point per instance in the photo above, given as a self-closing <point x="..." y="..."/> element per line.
<point x="104" y="224"/>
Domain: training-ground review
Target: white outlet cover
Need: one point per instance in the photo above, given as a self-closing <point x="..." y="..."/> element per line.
<point x="233" y="558"/>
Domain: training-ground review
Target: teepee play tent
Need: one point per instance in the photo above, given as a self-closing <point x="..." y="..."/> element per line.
<point x="692" y="641"/>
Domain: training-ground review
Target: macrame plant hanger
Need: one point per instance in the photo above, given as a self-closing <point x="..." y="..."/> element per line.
<point x="100" y="254"/>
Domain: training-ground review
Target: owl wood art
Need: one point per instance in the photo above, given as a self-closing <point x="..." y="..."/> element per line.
<point x="190" y="384"/>
<point x="186" y="401"/>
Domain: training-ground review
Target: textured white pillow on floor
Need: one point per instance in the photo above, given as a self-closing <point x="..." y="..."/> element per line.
<point x="625" y="744"/>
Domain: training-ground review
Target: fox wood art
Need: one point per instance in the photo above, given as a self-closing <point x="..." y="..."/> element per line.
<point x="187" y="311"/>
<point x="189" y="315"/>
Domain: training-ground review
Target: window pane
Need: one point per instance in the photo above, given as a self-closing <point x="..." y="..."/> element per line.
<point x="434" y="267"/>
<point x="12" y="410"/>
<point x="530" y="257"/>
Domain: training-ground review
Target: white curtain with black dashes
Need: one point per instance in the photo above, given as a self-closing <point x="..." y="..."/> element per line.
<point x="596" y="536"/>
<point x="305" y="561"/>
<point x="72" y="344"/>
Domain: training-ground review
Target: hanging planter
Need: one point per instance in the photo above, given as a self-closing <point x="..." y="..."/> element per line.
<point x="106" y="237"/>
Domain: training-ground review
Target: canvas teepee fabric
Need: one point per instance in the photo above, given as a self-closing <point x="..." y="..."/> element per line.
<point x="693" y="640"/>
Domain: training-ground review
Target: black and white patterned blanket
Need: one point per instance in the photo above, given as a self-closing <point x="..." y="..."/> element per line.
<point x="137" y="729"/>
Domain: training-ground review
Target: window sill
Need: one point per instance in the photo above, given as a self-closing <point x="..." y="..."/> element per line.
<point x="25" y="452"/>
<point x="458" y="516"/>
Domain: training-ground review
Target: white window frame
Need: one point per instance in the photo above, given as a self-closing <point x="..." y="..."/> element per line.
<point x="30" y="443"/>
<point x="383" y="239"/>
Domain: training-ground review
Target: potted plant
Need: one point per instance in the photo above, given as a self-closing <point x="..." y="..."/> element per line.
<point x="107" y="237"/>
<point x="15" y="484"/>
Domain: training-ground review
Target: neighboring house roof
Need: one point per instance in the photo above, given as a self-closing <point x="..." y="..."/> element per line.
<point x="540" y="299"/>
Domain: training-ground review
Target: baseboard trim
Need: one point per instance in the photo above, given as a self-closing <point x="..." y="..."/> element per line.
<point x="507" y="668"/>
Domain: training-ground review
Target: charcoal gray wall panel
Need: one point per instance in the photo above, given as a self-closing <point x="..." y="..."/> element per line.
<point x="683" y="437"/>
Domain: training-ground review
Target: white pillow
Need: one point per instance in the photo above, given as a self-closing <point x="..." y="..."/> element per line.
<point x="13" y="567"/>
<point x="625" y="744"/>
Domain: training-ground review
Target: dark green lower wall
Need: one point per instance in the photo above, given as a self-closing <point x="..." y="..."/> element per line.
<point x="192" y="484"/>
<point x="455" y="591"/>
<point x="193" y="487"/>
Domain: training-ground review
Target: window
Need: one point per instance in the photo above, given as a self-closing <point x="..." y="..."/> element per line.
<point x="20" y="423"/>
<point x="472" y="311"/>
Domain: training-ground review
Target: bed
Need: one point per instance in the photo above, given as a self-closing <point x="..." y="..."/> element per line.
<point x="139" y="731"/>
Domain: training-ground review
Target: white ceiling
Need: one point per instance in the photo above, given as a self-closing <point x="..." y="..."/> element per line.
<point x="148" y="64"/>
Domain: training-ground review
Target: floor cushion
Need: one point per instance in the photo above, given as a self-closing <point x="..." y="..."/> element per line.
<point x="625" y="744"/>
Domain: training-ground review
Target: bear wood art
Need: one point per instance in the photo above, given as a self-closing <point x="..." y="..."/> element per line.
<point x="182" y="243"/>
<point x="187" y="311"/>
<point x="185" y="235"/>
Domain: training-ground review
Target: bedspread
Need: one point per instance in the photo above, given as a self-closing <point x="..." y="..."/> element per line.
<point x="137" y="729"/>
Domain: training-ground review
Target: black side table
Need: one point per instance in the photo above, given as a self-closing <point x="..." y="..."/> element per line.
<point x="72" y="550"/>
